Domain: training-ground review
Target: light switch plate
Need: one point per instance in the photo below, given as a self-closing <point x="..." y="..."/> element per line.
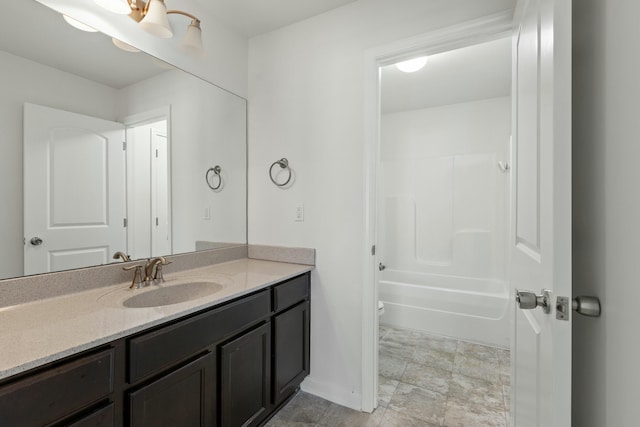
<point x="299" y="212"/>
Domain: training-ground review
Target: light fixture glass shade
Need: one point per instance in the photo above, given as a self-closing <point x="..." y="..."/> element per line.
<point x="79" y="25"/>
<point x="116" y="6"/>
<point x="124" y="46"/>
<point x="192" y="41"/>
<point x="156" y="22"/>
<point x="412" y="65"/>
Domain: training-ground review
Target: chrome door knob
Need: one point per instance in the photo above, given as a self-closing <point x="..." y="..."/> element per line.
<point x="587" y="306"/>
<point x="36" y="241"/>
<point x="529" y="300"/>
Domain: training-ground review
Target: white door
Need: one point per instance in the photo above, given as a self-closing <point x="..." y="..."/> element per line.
<point x="74" y="190"/>
<point x="160" y="212"/>
<point x="540" y="248"/>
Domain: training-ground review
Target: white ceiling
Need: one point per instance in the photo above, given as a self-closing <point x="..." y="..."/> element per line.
<point x="476" y="72"/>
<point x="252" y="17"/>
<point x="469" y="74"/>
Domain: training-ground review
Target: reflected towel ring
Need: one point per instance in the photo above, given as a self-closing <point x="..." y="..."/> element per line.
<point x="216" y="170"/>
<point x="284" y="164"/>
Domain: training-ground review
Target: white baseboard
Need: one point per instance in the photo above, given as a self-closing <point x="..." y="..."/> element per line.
<point x="332" y="392"/>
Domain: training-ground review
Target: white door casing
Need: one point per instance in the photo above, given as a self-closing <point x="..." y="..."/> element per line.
<point x="160" y="209"/>
<point x="540" y="244"/>
<point x="74" y="189"/>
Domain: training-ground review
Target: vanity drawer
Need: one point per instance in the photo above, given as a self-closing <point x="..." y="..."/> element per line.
<point x="158" y="350"/>
<point x="57" y="392"/>
<point x="290" y="292"/>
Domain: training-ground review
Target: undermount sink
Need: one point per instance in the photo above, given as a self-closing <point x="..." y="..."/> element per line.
<point x="173" y="294"/>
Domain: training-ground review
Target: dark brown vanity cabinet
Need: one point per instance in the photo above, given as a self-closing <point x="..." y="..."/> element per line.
<point x="229" y="366"/>
<point x="245" y="378"/>
<point x="76" y="393"/>
<point x="291" y="324"/>
<point x="183" y="397"/>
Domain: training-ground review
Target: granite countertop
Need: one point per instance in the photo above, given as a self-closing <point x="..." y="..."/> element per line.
<point x="43" y="331"/>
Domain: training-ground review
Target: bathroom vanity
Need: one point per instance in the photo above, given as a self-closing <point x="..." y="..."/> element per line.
<point x="228" y="359"/>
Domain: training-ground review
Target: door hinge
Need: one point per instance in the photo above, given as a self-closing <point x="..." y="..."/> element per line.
<point x="156" y="221"/>
<point x="156" y="154"/>
<point x="373" y="249"/>
<point x="124" y="145"/>
<point x="125" y="222"/>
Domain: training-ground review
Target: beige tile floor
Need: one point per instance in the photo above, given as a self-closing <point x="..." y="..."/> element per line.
<point x="425" y="381"/>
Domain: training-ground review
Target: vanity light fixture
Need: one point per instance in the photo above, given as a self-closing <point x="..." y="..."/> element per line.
<point x="152" y="16"/>
<point x="120" y="7"/>
<point x="412" y="65"/>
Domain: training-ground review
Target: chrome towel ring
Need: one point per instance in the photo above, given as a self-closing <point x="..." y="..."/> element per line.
<point x="284" y="164"/>
<point x="216" y="170"/>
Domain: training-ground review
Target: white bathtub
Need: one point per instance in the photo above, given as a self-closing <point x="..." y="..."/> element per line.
<point x="459" y="307"/>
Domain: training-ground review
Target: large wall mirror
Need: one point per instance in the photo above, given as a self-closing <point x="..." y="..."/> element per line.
<point x="105" y="150"/>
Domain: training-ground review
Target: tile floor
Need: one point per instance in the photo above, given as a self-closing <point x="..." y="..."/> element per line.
<point x="425" y="381"/>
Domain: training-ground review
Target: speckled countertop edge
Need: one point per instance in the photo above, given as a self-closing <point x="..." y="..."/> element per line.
<point x="44" y="331"/>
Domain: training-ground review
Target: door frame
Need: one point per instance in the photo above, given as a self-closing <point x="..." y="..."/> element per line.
<point x="476" y="31"/>
<point x="140" y="119"/>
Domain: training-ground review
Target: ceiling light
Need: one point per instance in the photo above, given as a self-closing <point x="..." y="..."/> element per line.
<point x="124" y="46"/>
<point x="412" y="65"/>
<point x="79" y="25"/>
<point x="116" y="6"/>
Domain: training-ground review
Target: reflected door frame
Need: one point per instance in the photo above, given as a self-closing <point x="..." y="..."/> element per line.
<point x="131" y="122"/>
<point x="480" y="30"/>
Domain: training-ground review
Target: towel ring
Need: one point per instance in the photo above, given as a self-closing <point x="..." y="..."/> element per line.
<point x="284" y="164"/>
<point x="216" y="170"/>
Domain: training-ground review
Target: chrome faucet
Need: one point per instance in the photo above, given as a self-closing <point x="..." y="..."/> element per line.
<point x="156" y="263"/>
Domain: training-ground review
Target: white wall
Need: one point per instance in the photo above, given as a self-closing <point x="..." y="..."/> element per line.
<point x="606" y="204"/>
<point x="306" y="103"/>
<point x="225" y="62"/>
<point x="443" y="197"/>
<point x="23" y="81"/>
<point x="207" y="128"/>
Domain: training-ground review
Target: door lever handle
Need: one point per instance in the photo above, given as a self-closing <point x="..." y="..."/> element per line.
<point x="529" y="300"/>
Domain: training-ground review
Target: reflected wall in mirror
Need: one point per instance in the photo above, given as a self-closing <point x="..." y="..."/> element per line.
<point x="176" y="126"/>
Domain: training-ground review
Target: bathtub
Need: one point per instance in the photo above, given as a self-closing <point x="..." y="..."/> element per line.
<point x="459" y="307"/>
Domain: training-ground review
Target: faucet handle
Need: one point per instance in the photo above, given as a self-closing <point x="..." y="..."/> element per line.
<point x="136" y="283"/>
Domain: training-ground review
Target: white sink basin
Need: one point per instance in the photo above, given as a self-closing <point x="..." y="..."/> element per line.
<point x="173" y="294"/>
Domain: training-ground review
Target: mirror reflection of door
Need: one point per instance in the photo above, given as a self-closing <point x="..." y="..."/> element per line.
<point x="148" y="189"/>
<point x="74" y="190"/>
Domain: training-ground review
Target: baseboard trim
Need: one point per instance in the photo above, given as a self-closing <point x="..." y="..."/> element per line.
<point x="333" y="393"/>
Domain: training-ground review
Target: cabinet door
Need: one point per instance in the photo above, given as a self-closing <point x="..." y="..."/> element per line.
<point x="291" y="350"/>
<point x="103" y="417"/>
<point x="245" y="378"/>
<point x="185" y="397"/>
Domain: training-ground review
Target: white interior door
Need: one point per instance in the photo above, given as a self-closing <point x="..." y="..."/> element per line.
<point x="74" y="190"/>
<point x="160" y="211"/>
<point x="540" y="249"/>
